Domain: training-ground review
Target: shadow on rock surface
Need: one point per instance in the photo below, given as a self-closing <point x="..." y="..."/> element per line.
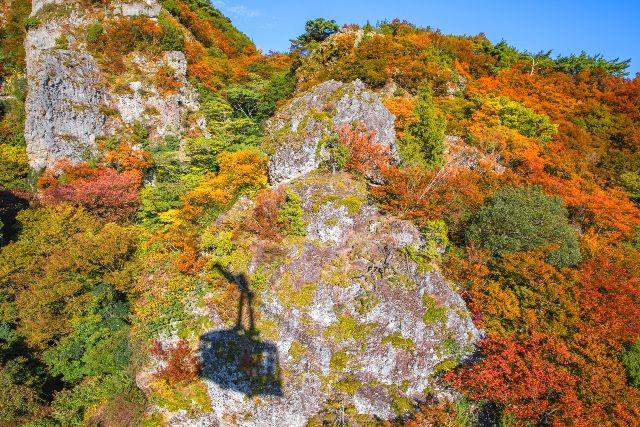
<point x="237" y="359"/>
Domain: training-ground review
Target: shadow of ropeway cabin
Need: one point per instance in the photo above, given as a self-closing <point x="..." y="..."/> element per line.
<point x="237" y="359"/>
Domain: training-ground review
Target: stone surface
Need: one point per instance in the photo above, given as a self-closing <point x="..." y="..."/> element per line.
<point x="340" y="318"/>
<point x="63" y="116"/>
<point x="295" y="134"/>
<point x="149" y="8"/>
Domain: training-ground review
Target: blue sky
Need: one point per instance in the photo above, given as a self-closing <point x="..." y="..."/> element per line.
<point x="567" y="26"/>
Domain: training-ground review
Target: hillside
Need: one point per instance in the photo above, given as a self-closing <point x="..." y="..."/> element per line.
<point x="386" y="225"/>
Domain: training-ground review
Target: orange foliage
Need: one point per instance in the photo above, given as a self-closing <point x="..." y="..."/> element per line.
<point x="402" y="109"/>
<point x="182" y="365"/>
<point x="366" y="157"/>
<point x="269" y="202"/>
<point x="239" y="171"/>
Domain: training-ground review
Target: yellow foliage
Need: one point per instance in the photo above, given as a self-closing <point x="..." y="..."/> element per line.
<point x="239" y="172"/>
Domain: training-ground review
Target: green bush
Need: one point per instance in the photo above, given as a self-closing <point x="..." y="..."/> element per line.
<point x="291" y="215"/>
<point x="631" y="361"/>
<point x="94" y="31"/>
<point x="423" y="143"/>
<point x="172" y="37"/>
<point x="520" y="219"/>
<point x="631" y="183"/>
<point x="526" y="121"/>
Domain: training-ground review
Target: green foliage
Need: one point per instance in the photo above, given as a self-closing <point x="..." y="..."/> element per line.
<point x="505" y="55"/>
<point x="516" y="116"/>
<point x="21" y="401"/>
<point x="98" y="343"/>
<point x="116" y="393"/>
<point x="316" y="31"/>
<point x="423" y="143"/>
<point x="31" y="22"/>
<point x="62" y="42"/>
<point x="94" y="31"/>
<point x="14" y="167"/>
<point x="434" y="311"/>
<point x="291" y="215"/>
<point x="574" y="64"/>
<point x="631" y="361"/>
<point x="204" y="9"/>
<point x="631" y="183"/>
<point x="12" y="35"/>
<point x="520" y="219"/>
<point x="172" y="37"/>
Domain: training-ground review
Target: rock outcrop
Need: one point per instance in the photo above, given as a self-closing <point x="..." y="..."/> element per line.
<point x="63" y="116"/>
<point x="295" y="135"/>
<point x="72" y="102"/>
<point x="342" y="316"/>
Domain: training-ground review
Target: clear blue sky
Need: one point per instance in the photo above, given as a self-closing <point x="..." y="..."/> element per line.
<point x="610" y="27"/>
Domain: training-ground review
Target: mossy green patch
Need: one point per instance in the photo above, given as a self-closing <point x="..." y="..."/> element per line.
<point x="434" y="311"/>
<point x="398" y="341"/>
<point x="339" y="361"/>
<point x="193" y="396"/>
<point x="268" y="329"/>
<point x="297" y="350"/>
<point x="289" y="296"/>
<point x="347" y="328"/>
<point x="401" y="405"/>
<point x="348" y="385"/>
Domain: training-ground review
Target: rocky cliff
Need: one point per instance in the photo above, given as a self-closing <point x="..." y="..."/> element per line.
<point x="74" y="101"/>
<point x="295" y="135"/>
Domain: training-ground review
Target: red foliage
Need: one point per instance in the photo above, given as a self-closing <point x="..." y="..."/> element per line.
<point x="269" y="202"/>
<point x="366" y="157"/>
<point x="182" y="365"/>
<point x="530" y="378"/>
<point x="106" y="193"/>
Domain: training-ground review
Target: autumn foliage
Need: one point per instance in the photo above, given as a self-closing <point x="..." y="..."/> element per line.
<point x="181" y="364"/>
<point x="105" y="192"/>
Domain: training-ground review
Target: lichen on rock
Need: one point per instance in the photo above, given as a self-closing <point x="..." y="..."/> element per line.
<point x="295" y="134"/>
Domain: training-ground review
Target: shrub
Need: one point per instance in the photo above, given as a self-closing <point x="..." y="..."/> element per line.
<point x="108" y="194"/>
<point x="94" y="31"/>
<point x="266" y="213"/>
<point x="365" y="156"/>
<point x="14" y="167"/>
<point x="291" y="215"/>
<point x="182" y="365"/>
<point x="631" y="361"/>
<point x="521" y="219"/>
<point x="423" y="143"/>
<point x="516" y="116"/>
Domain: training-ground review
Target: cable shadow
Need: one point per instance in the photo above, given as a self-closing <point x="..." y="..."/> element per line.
<point x="237" y="359"/>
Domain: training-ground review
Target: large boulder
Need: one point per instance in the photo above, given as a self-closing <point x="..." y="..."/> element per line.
<point x="295" y="135"/>
<point x="342" y="317"/>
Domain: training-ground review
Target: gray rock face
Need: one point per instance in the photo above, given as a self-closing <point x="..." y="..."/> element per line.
<point x="71" y="102"/>
<point x="344" y="318"/>
<point x="294" y="136"/>
<point x="63" y="114"/>
<point x="149" y="8"/>
<point x="36" y="5"/>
